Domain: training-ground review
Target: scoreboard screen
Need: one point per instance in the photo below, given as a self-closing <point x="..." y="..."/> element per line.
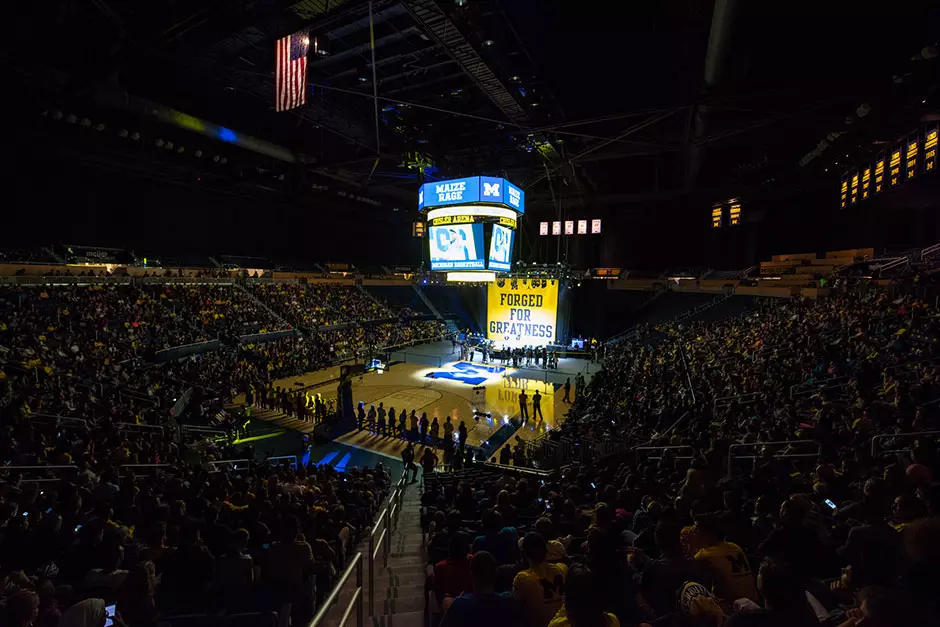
<point x="853" y="198"/>
<point x="734" y="213"/>
<point x="716" y="217"/>
<point x="866" y="181"/>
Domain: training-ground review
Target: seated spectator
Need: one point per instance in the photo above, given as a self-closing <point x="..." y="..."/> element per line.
<point x="584" y="603"/>
<point x="484" y="606"/>
<point x="452" y="576"/>
<point x="725" y="563"/>
<point x="540" y="587"/>
<point x="785" y="603"/>
<point x="497" y="539"/>
<point x="662" y="578"/>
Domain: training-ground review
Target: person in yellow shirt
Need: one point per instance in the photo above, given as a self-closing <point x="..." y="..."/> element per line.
<point x="583" y="604"/>
<point x="540" y="587"/>
<point x="725" y="561"/>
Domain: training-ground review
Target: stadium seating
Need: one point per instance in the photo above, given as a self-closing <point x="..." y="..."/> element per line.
<point x="791" y="436"/>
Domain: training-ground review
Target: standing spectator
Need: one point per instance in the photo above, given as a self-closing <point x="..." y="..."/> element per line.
<point x="584" y="603"/>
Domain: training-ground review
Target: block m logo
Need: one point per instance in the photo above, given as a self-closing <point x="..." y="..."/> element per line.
<point x="491" y="189"/>
<point x="739" y="564"/>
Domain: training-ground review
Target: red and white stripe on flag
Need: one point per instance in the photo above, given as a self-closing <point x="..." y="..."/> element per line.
<point x="290" y="71"/>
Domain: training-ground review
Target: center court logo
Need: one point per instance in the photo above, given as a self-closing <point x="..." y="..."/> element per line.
<point x="491" y="189"/>
<point x="465" y="372"/>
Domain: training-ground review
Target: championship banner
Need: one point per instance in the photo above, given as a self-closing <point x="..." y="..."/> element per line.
<point x="522" y="313"/>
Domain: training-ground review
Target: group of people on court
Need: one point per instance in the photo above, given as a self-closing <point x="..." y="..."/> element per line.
<point x="303" y="405"/>
<point x="420" y="430"/>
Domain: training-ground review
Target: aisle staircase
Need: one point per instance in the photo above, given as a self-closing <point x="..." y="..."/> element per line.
<point x="393" y="594"/>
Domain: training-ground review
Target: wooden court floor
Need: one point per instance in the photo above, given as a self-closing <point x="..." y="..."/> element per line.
<point x="456" y="389"/>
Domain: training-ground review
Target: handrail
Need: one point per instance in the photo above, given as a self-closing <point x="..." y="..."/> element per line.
<point x="280" y="457"/>
<point x="885" y="436"/>
<point x="134" y="425"/>
<point x="384" y="518"/>
<point x="666" y="448"/>
<point x="233" y="462"/>
<point x="7" y="468"/>
<point x="787" y="442"/>
<point x="356" y="599"/>
<point x="61" y="418"/>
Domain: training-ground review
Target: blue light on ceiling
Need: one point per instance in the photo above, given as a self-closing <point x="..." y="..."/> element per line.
<point x="227" y="134"/>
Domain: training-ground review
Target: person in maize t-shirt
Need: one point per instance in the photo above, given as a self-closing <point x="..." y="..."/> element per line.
<point x="725" y="561"/>
<point x="540" y="587"/>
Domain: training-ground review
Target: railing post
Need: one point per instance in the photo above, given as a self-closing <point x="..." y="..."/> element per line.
<point x="359" y="586"/>
<point x="371" y="574"/>
<point x="388" y="535"/>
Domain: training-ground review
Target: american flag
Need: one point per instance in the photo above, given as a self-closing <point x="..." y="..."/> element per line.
<point x="291" y="71"/>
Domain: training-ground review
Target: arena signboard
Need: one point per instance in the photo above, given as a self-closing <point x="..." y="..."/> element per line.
<point x="522" y="313"/>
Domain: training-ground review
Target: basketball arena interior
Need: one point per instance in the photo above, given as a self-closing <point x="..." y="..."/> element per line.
<point x="442" y="313"/>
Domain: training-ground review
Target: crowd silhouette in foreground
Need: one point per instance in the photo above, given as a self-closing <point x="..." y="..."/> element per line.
<point x="109" y="497"/>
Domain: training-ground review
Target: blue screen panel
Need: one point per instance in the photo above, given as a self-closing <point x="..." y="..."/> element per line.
<point x="501" y="249"/>
<point x="453" y="192"/>
<point x="457" y="247"/>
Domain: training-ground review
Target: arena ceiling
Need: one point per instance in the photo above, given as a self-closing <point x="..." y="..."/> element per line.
<point x="636" y="102"/>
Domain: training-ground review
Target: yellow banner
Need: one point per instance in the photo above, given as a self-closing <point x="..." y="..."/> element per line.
<point x="523" y="315"/>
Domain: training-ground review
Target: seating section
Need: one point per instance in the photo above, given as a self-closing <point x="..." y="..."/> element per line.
<point x="399" y="297"/>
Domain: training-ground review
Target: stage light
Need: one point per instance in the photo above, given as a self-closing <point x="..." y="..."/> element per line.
<point x="460" y="3"/>
<point x="198" y="153"/>
<point x="216" y="158"/>
<point x="169" y="145"/>
<point x="488" y="42"/>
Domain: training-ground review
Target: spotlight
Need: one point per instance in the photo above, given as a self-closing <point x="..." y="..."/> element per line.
<point x="460" y="3"/>
<point x="216" y="158"/>
<point x="169" y="145"/>
<point x="198" y="153"/>
<point x="488" y="42"/>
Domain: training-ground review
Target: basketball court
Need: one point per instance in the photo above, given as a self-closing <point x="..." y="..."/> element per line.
<point x="430" y="379"/>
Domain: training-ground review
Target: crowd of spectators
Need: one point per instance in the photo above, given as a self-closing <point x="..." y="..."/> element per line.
<point x="829" y="528"/>
<point x="79" y="388"/>
<point x="320" y="304"/>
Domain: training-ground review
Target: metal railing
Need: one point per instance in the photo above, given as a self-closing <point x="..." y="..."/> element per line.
<point x="893" y="436"/>
<point x="743" y="399"/>
<point x="61" y="419"/>
<point x="386" y="517"/>
<point x="279" y="458"/>
<point x="661" y="449"/>
<point x="234" y="463"/>
<point x="355" y="602"/>
<point x="732" y="456"/>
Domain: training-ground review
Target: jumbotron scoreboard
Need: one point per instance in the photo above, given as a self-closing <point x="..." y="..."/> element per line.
<point x="472" y="225"/>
